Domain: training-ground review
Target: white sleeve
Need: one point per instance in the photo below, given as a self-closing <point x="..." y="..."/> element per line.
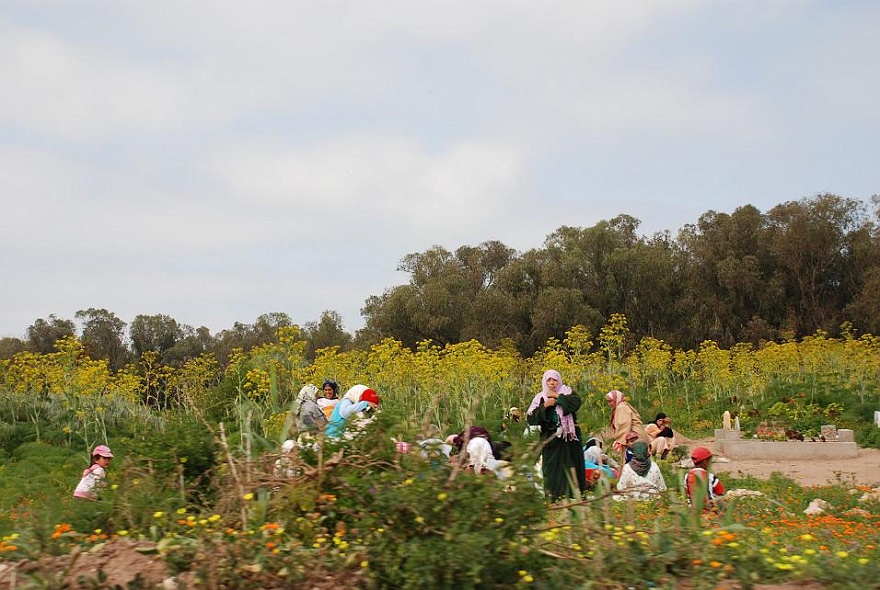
<point x="347" y="410"/>
<point x="655" y="476"/>
<point x="628" y="479"/>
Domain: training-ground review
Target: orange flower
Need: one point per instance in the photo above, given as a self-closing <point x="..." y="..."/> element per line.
<point x="61" y="529"/>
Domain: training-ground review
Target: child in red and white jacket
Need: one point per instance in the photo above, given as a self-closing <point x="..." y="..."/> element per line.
<point x="701" y="486"/>
<point x="93" y="478"/>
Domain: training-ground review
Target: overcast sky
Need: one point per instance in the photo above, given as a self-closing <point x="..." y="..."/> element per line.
<point x="217" y="160"/>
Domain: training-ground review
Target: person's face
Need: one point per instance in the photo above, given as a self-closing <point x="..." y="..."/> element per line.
<point x="328" y="392"/>
<point x="552" y="383"/>
<point x="104" y="461"/>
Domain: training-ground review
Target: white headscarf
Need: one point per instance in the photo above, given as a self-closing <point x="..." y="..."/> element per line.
<point x="307" y="393"/>
<point x="354" y="394"/>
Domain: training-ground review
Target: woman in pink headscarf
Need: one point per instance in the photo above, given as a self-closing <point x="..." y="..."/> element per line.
<point x="554" y="409"/>
<point x="625" y="419"/>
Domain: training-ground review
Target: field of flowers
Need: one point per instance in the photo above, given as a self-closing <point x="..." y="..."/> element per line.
<point x="192" y="485"/>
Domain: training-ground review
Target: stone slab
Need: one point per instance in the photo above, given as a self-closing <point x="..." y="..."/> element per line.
<point x="722" y="434"/>
<point x="782" y="450"/>
<point x="846" y="435"/>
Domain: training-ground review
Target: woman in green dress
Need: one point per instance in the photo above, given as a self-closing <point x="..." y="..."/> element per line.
<point x="554" y="409"/>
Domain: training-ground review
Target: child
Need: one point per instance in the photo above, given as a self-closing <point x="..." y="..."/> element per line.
<point x="631" y="439"/>
<point x="93" y="477"/>
<point x="701" y="486"/>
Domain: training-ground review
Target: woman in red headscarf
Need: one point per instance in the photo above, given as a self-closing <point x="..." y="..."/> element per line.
<point x="359" y="398"/>
<point x="554" y="409"/>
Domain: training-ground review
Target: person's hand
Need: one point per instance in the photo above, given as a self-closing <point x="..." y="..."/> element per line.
<point x="549" y="402"/>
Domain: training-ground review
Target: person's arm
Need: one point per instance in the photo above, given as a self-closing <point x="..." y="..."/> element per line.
<point x="316" y="417"/>
<point x="717" y="487"/>
<point x="538" y="416"/>
<point x="570" y="403"/>
<point x="348" y="409"/>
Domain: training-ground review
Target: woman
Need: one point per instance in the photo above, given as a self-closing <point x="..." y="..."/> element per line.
<point x="554" y="410"/>
<point x="309" y="416"/>
<point x="596" y="461"/>
<point x="624" y="419"/>
<point x="329" y="398"/>
<point x="641" y="478"/>
<point x="662" y="439"/>
<point x="359" y="398"/>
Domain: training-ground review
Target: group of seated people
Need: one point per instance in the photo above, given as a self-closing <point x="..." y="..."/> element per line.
<point x="639" y="478"/>
<point x="329" y="413"/>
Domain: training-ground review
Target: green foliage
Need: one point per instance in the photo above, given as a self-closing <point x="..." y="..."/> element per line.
<point x="185" y="448"/>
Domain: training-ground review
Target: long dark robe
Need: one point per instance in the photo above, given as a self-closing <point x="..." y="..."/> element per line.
<point x="562" y="461"/>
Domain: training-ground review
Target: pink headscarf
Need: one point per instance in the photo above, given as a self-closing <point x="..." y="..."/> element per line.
<point x="566" y="420"/>
<point x="616" y="397"/>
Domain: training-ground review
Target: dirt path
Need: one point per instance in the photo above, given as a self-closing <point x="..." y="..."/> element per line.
<point x="862" y="470"/>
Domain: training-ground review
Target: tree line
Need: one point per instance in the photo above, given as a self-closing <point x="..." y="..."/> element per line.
<point x="747" y="276"/>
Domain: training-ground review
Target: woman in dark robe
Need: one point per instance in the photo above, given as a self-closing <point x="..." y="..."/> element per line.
<point x="554" y="409"/>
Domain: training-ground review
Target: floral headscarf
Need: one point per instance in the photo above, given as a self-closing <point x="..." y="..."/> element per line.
<point x="307" y="393"/>
<point x="566" y="420"/>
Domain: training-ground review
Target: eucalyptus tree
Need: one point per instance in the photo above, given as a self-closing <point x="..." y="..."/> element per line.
<point x="157" y="333"/>
<point x="503" y="311"/>
<point x="864" y="309"/>
<point x="103" y="336"/>
<point x="589" y="259"/>
<point x="732" y="279"/>
<point x="247" y="336"/>
<point x="11" y="346"/>
<point x="327" y="331"/>
<point x="44" y="333"/>
<point x="820" y="243"/>
<point x="438" y="303"/>
<point x="191" y="344"/>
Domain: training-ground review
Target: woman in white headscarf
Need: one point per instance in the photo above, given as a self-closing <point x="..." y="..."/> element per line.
<point x="309" y="416"/>
<point x="554" y="409"/>
<point x="358" y="399"/>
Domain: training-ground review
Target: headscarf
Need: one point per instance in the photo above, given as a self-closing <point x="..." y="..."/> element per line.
<point x="593" y="450"/>
<point x="616" y="397"/>
<point x="640" y="462"/>
<point x="307" y="393"/>
<point x="566" y="420"/>
<point x="354" y="394"/>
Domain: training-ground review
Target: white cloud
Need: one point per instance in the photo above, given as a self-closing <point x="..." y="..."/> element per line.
<point x="367" y="178"/>
<point x="61" y="89"/>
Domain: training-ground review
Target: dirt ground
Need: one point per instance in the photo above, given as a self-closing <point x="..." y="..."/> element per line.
<point x="863" y="470"/>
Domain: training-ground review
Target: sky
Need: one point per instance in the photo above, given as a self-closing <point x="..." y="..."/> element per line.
<point x="215" y="160"/>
